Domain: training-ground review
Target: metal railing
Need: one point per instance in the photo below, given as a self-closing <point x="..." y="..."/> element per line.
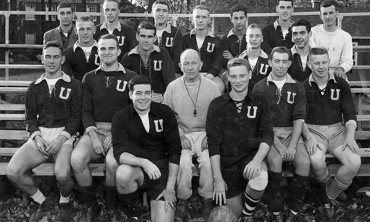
<point x="174" y="18"/>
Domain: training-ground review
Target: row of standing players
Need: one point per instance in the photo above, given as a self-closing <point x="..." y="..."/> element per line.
<point x="99" y="105"/>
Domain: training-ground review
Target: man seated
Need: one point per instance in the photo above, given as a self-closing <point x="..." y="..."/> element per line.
<point x="104" y="93"/>
<point x="189" y="98"/>
<point x="147" y="147"/>
<point x="330" y="104"/>
<point x="150" y="60"/>
<point x="287" y="100"/>
<point x="239" y="131"/>
<point x="82" y="57"/>
<point x="53" y="117"/>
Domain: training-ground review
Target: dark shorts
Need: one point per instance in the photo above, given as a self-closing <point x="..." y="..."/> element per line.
<point x="234" y="179"/>
<point x="155" y="187"/>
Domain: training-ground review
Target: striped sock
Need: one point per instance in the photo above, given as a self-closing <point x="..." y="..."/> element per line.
<point x="324" y="178"/>
<point x="336" y="187"/>
<point x="249" y="204"/>
<point x="38" y="197"/>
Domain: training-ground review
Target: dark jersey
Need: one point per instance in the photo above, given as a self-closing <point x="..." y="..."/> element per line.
<point x="231" y="42"/>
<point x="296" y="69"/>
<point x="273" y="37"/>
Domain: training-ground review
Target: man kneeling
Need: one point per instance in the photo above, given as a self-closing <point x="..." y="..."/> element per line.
<point x="147" y="146"/>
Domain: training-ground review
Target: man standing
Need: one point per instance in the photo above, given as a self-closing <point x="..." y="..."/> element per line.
<point x="299" y="69"/>
<point x="168" y="36"/>
<point x="147" y="147"/>
<point x="65" y="33"/>
<point x="239" y="131"/>
<point x="334" y="39"/>
<point x="189" y="98"/>
<point x="104" y="93"/>
<point x="330" y="104"/>
<point x="287" y="100"/>
<point x="279" y="33"/>
<point x="125" y="34"/>
<point x="150" y="60"/>
<point x="53" y="117"/>
<point x="83" y="56"/>
<point x="207" y="44"/>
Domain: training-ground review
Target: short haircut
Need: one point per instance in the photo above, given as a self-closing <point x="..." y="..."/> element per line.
<point x="64" y="5"/>
<point x="162" y="3"/>
<point x="202" y="7"/>
<point x="54" y="44"/>
<point x="278" y="1"/>
<point x="146" y="25"/>
<point x="116" y="1"/>
<point x="238" y="8"/>
<point x="318" y="51"/>
<point x="138" y="80"/>
<point x="187" y="50"/>
<point x="85" y="18"/>
<point x="328" y="3"/>
<point x="109" y="36"/>
<point x="254" y="26"/>
<point x="281" y="50"/>
<point x="302" y="22"/>
<point x="238" y="62"/>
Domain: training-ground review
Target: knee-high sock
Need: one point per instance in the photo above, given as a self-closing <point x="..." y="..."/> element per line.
<point x="324" y="178"/>
<point x="88" y="195"/>
<point x="275" y="191"/>
<point x="298" y="190"/>
<point x="111" y="192"/>
<point x="249" y="204"/>
<point x="336" y="187"/>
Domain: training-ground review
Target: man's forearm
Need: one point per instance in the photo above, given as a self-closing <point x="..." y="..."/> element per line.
<point x="350" y="130"/>
<point x="216" y="167"/>
<point x="262" y="152"/>
<point x="296" y="132"/>
<point x="131" y="160"/>
<point x="172" y="175"/>
<point x="305" y="131"/>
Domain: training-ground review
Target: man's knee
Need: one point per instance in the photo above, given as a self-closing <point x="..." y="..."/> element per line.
<point x="63" y="174"/>
<point x="353" y="163"/>
<point x="317" y="159"/>
<point x="302" y="162"/>
<point x="111" y="165"/>
<point x="275" y="162"/>
<point x="124" y="174"/>
<point x="79" y="159"/>
<point x="13" y="172"/>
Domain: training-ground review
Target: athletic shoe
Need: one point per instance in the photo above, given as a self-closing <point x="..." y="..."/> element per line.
<point x="181" y="210"/>
<point x="329" y="208"/>
<point x="64" y="212"/>
<point x="38" y="212"/>
<point x="207" y="207"/>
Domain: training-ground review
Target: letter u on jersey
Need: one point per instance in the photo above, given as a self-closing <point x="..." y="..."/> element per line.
<point x="157" y="65"/>
<point x="210" y="47"/>
<point x="169" y="41"/>
<point x="121" y="88"/>
<point x="263" y="69"/>
<point x="121" y="40"/>
<point x="157" y="127"/>
<point x="66" y="96"/>
<point x="332" y="94"/>
<point x="96" y="61"/>
<point x="290" y="100"/>
<point x="252" y="116"/>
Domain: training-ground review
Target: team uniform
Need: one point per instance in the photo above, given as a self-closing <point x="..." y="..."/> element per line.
<point x="210" y="51"/>
<point x="156" y="139"/>
<point x="299" y="69"/>
<point x="273" y="36"/>
<point x="233" y="44"/>
<point x="171" y="39"/>
<point x="159" y="69"/>
<point x="236" y="136"/>
<point x="78" y="62"/>
<point x="126" y="36"/>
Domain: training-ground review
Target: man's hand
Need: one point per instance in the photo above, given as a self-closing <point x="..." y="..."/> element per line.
<point x="152" y="170"/>
<point x="107" y="144"/>
<point x="169" y="199"/>
<point x="97" y="144"/>
<point x="185" y="142"/>
<point x="41" y="144"/>
<point x="312" y="144"/>
<point x="55" y="145"/>
<point x="291" y="150"/>
<point x="340" y="72"/>
<point x="227" y="55"/>
<point x="252" y="170"/>
<point x="351" y="143"/>
<point x="157" y="97"/>
<point x="282" y="150"/>
<point x="219" y="191"/>
<point x="204" y="144"/>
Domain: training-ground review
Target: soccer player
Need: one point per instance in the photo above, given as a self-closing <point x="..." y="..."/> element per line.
<point x="53" y="117"/>
<point x="330" y="104"/>
<point x="83" y="56"/>
<point x="168" y="36"/>
<point x="150" y="60"/>
<point x="65" y="33"/>
<point x="125" y="34"/>
<point x="279" y="33"/>
<point x="189" y="98"/>
<point x="207" y="44"/>
<point x="105" y="92"/>
<point x="147" y="147"/>
<point x="287" y="100"/>
<point x="239" y="131"/>
<point x="337" y="41"/>
<point x="299" y="70"/>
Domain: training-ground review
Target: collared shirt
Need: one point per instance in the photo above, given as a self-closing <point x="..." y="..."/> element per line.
<point x="234" y="135"/>
<point x="296" y="70"/>
<point x="59" y="108"/>
<point x="273" y="37"/>
<point x="334" y="105"/>
<point x="75" y="64"/>
<point x="210" y="52"/>
<point x="159" y="68"/>
<point x="105" y="93"/>
<point x="161" y="142"/>
<point x="287" y="104"/>
<point x="233" y="44"/>
<point x="65" y="39"/>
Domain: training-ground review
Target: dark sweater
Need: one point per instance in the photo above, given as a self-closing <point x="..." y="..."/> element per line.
<point x="296" y="68"/>
<point x="234" y="135"/>
<point x="273" y="37"/>
<point x="130" y="136"/>
<point x="230" y="42"/>
<point x="105" y="93"/>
